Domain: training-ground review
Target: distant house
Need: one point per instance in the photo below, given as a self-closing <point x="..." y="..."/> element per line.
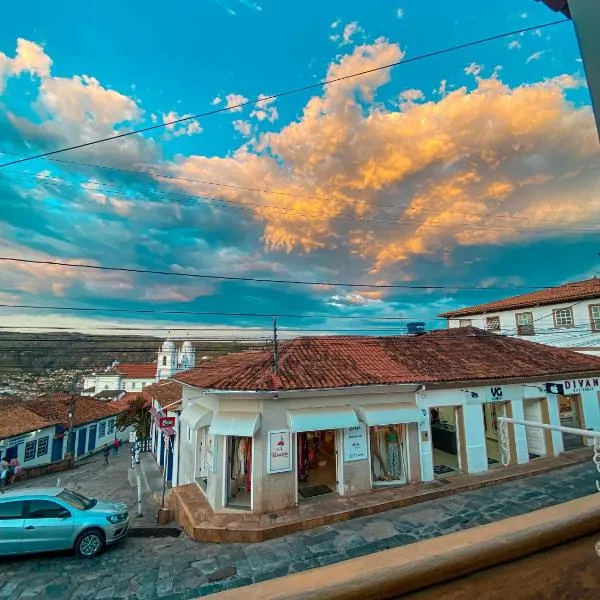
<point x="566" y="316"/>
<point x="94" y="422"/>
<point x="26" y="436"/>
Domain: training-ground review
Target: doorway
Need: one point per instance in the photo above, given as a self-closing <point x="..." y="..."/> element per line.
<point x="389" y="456"/>
<point x="570" y="416"/>
<point x="491" y="412"/>
<point x="239" y="472"/>
<point x="445" y="440"/>
<point x="317" y="468"/>
<point x="536" y="437"/>
<point x="202" y="458"/>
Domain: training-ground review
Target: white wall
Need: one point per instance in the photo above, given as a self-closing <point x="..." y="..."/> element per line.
<point x="137" y="384"/>
<point x="581" y="335"/>
<point x="23" y="439"/>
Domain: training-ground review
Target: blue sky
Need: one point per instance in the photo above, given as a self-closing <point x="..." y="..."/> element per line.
<point x="464" y="169"/>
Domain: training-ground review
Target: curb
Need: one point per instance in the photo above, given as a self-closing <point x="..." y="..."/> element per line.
<point x="387" y="574"/>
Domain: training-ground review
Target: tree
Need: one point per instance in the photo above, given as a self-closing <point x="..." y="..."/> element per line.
<point x="137" y="416"/>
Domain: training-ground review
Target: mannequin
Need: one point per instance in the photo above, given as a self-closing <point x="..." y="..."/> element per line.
<point x="375" y="453"/>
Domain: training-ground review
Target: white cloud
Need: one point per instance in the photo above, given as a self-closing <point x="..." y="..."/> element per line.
<point x="537" y="33"/>
<point x="411" y="95"/>
<point x="216" y="100"/>
<point x="29" y="58"/>
<point x="400" y="13"/>
<point x="473" y="69"/>
<point x="350" y="30"/>
<point x="232" y="100"/>
<point x="515" y="44"/>
<point x="335" y="24"/>
<point x="524" y="15"/>
<point x="243" y="127"/>
<point x="191" y="127"/>
<point x="264" y="110"/>
<point x="535" y="56"/>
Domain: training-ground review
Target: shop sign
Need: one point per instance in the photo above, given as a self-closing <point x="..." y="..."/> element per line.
<point x="167" y="422"/>
<point x="423" y="419"/>
<point x="495" y="394"/>
<point x="576" y="386"/>
<point x="355" y="443"/>
<point x="280" y="451"/>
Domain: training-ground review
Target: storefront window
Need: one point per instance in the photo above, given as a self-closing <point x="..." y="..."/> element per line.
<point x="240" y="471"/>
<point x="388" y="454"/>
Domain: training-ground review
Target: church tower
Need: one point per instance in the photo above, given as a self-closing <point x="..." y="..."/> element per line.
<point x="187" y="357"/>
<point x="167" y="360"/>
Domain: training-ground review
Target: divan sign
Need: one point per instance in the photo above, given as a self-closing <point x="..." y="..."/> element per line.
<point x="575" y="386"/>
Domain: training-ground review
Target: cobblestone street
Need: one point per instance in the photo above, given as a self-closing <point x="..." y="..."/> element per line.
<point x="141" y="568"/>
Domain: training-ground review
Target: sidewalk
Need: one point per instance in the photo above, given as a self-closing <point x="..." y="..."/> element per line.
<point x="115" y="482"/>
<point x="201" y="523"/>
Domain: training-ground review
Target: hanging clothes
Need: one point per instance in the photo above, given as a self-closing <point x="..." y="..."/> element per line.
<point x="242" y="454"/>
<point x="302" y="457"/>
<point x="249" y="465"/>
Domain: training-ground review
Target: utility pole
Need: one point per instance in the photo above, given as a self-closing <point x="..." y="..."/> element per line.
<point x="70" y="440"/>
<point x="276" y="349"/>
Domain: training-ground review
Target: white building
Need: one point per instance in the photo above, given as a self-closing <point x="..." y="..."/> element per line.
<point x="347" y="415"/>
<point x="134" y="377"/>
<point x="567" y="316"/>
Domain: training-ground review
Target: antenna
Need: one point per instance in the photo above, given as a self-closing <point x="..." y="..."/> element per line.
<point x="275" y="350"/>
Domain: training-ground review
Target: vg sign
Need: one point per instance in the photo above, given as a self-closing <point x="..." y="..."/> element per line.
<point x="495" y="394"/>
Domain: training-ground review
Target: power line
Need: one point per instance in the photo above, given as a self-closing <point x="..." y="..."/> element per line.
<point x="249" y="189"/>
<point x="290" y="92"/>
<point x="256" y="208"/>
<point x="266" y="280"/>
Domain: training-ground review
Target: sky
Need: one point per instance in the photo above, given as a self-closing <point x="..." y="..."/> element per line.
<point x="474" y="168"/>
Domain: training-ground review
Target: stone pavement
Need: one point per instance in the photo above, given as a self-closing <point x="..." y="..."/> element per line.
<point x="116" y="482"/>
<point x="179" y="569"/>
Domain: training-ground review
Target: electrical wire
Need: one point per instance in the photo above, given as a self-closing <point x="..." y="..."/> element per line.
<point x="307" y="87"/>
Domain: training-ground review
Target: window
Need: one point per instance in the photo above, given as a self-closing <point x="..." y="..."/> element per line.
<point x="77" y="500"/>
<point x="492" y="323"/>
<point x="111" y="426"/>
<point x="595" y="316"/>
<point x="465" y="322"/>
<point x="133" y="386"/>
<point x="42" y="449"/>
<point x="563" y="317"/>
<point x="164" y="361"/>
<point x="11" y="510"/>
<point x="30" y="450"/>
<point x="189" y="434"/>
<point x="45" y="509"/>
<point x="102" y="429"/>
<point x="525" y="323"/>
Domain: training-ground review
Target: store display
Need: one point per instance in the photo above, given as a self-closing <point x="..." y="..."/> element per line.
<point x="240" y="463"/>
<point x="388" y="455"/>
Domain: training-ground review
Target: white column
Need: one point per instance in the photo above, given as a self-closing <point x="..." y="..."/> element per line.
<point x="475" y="438"/>
<point x="520" y="432"/>
<point x="586" y="16"/>
<point x="591" y="413"/>
<point x="426" y="450"/>
<point x="554" y="416"/>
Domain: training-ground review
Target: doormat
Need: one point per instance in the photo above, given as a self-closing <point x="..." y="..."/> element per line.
<point x="315" y="490"/>
<point x="532" y="456"/>
<point x="154" y="532"/>
<point x="492" y="461"/>
<point x="439" y="469"/>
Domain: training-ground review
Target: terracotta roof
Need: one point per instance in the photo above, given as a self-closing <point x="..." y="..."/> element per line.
<point x="17" y="420"/>
<point x="165" y="392"/>
<point x="458" y="354"/>
<point x="56" y="407"/>
<point x="136" y="370"/>
<point x="122" y="404"/>
<point x="569" y="292"/>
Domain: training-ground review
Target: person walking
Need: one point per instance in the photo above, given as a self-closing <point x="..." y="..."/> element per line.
<point x="105" y="453"/>
<point x="116" y="447"/>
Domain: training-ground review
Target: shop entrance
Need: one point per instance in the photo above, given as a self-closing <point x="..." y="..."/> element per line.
<point x="202" y="457"/>
<point x="389" y="457"/>
<point x="536" y="437"/>
<point x="570" y="416"/>
<point x="491" y="412"/>
<point x="445" y="440"/>
<point x="317" y="468"/>
<point x="239" y="476"/>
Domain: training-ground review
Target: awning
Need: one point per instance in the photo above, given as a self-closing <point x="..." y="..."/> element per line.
<point x="318" y="419"/>
<point x="389" y="414"/>
<point x="196" y="415"/>
<point x="241" y="424"/>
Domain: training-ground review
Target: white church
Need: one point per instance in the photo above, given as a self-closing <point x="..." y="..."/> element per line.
<point x="121" y="378"/>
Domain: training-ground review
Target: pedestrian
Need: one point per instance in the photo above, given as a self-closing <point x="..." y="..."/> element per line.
<point x="116" y="447"/>
<point x="105" y="453"/>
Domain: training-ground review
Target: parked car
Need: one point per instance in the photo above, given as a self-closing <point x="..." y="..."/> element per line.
<point x="46" y="519"/>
